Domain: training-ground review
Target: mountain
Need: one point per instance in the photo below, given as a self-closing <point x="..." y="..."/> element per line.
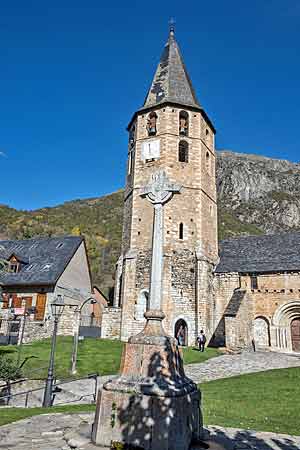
<point x="259" y="191"/>
<point x="255" y="195"/>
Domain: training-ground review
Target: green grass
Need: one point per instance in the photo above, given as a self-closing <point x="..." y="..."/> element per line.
<point x="9" y="415"/>
<point x="266" y="401"/>
<point x="191" y="355"/>
<point x="94" y="355"/>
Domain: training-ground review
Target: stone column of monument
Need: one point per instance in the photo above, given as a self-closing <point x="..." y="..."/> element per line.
<point x="151" y="404"/>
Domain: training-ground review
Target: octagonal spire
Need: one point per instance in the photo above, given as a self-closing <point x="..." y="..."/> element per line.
<point x="171" y="81"/>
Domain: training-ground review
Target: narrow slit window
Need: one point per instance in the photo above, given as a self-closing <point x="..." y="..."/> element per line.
<point x="183" y="152"/>
<point x="254" y="283"/>
<point x="181" y="231"/>
<point x="207" y="162"/>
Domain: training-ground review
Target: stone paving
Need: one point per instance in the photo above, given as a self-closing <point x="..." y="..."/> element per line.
<point x="61" y="432"/>
<point x="237" y="364"/>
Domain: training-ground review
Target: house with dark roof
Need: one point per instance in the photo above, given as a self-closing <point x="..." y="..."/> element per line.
<point x="35" y="271"/>
<point x="257" y="292"/>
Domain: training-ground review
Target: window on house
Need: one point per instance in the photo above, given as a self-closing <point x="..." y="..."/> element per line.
<point x="14" y="266"/>
<point x="183" y="152"/>
<point x="254" y="283"/>
<point x="183" y="123"/>
<point x="181" y="231"/>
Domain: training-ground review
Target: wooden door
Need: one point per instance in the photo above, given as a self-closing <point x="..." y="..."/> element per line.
<point x="40" y="306"/>
<point x="295" y="331"/>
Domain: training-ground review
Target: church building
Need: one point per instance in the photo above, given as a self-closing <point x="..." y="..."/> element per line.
<point x="222" y="296"/>
<point x="172" y="131"/>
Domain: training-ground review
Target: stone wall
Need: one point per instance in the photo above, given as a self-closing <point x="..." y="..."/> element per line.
<point x="264" y="314"/>
<point x="239" y="321"/>
<point x="195" y="208"/>
<point x="37" y="330"/>
<point x="111" y="323"/>
<point x="224" y="286"/>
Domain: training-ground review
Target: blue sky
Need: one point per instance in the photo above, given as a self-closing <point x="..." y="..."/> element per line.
<point x="73" y="72"/>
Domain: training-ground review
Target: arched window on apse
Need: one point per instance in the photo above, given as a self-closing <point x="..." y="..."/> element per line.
<point x="183" y="152"/>
<point x="181" y="231"/>
<point x="152" y="124"/>
<point x="183" y="123"/>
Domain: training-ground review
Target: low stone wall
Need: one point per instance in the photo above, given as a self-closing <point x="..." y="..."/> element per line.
<point x="37" y="330"/>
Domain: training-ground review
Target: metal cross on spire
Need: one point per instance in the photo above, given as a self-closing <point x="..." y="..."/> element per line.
<point x="172" y="23"/>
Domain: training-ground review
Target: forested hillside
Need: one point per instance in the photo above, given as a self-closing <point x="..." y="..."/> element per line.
<point x="256" y="195"/>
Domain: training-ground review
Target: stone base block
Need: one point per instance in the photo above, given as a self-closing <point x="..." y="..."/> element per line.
<point x="147" y="421"/>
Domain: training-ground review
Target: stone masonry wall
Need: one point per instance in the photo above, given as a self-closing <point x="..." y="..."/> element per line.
<point x="224" y="286"/>
<point x="195" y="207"/>
<point x="111" y="323"/>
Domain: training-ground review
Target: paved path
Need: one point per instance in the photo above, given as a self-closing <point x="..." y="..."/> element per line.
<point x="82" y="391"/>
<point x="60" y="432"/>
<point x="247" y="362"/>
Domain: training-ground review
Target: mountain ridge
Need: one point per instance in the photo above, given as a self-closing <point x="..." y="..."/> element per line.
<point x="256" y="195"/>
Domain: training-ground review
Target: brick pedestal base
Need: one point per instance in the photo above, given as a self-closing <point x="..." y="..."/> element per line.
<point x="152" y="404"/>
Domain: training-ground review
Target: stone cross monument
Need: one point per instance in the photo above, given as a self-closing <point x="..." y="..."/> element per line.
<point x="158" y="192"/>
<point x="152" y="404"/>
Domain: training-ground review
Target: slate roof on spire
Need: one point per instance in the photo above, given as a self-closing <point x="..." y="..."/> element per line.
<point x="171" y="81"/>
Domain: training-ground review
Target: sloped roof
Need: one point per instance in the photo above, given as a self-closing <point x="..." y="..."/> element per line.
<point x="267" y="253"/>
<point x="171" y="81"/>
<point x="46" y="259"/>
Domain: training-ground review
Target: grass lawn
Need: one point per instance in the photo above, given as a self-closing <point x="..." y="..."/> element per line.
<point x="94" y="355"/>
<point x="265" y="401"/>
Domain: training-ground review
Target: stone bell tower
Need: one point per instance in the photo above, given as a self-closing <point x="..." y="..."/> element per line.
<point x="170" y="132"/>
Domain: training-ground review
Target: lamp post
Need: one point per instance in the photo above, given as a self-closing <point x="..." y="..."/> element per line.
<point x="57" y="307"/>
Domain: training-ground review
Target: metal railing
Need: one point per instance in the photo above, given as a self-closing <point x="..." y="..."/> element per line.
<point x="8" y="396"/>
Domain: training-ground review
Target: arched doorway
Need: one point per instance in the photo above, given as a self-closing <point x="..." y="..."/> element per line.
<point x="286" y="329"/>
<point x="261" y="332"/>
<point x="181" y="332"/>
<point x="295" y="334"/>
